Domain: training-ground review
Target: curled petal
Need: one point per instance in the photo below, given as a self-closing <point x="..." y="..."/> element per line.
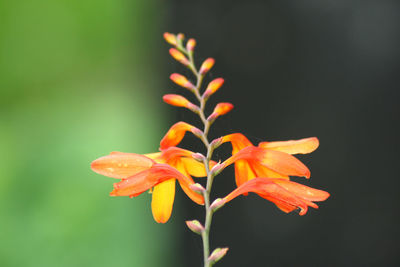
<point x="178" y="56"/>
<point x="162" y="200"/>
<point x="219" y="110"/>
<point x="176" y="133"/>
<point x="179" y="101"/>
<point x="142" y="181"/>
<point x="182" y="81"/>
<point x="213" y="86"/>
<point x="302" y="146"/>
<point x="121" y="165"/>
<point x="206" y="66"/>
<point x="284" y="198"/>
<point x="238" y="141"/>
<point x="277" y="161"/>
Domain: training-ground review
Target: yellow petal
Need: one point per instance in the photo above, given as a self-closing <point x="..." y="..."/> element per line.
<point x="193" y="167"/>
<point x="196" y="197"/>
<point x="302" y="146"/>
<point x="163" y="200"/>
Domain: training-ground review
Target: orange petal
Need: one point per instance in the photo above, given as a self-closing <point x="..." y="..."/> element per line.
<point x="162" y="200"/>
<point x="262" y="171"/>
<point x="213" y="86"/>
<point x="194" y="168"/>
<point x="302" y="191"/>
<point x="267" y="189"/>
<point x="243" y="172"/>
<point x="238" y="141"/>
<point x="176" y="133"/>
<point x="277" y="161"/>
<point x="143" y="181"/>
<point x="196" y="197"/>
<point x="121" y="165"/>
<point x="302" y="146"/>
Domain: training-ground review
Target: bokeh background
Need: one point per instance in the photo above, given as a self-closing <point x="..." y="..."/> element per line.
<point x="79" y="79"/>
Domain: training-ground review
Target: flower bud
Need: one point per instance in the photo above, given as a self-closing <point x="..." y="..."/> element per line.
<point x="195" y="226"/>
<point x="217" y="168"/>
<point x="206" y="66"/>
<point x="199" y="157"/>
<point x="190" y="45"/>
<point x="217" y="254"/>
<point x="216" y="142"/>
<point x="180" y="101"/>
<point x="198" y="188"/>
<point x="170" y="38"/>
<point x="213" y="86"/>
<point x="182" y="81"/>
<point x="217" y="204"/>
<point x="220" y="109"/>
<point x="178" y="56"/>
<point x="180" y="36"/>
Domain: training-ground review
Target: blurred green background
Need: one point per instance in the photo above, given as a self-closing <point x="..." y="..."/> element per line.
<point x="78" y="80"/>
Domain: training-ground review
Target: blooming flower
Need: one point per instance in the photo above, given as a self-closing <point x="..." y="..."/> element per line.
<point x="268" y="159"/>
<point x="286" y="195"/>
<point x="157" y="171"/>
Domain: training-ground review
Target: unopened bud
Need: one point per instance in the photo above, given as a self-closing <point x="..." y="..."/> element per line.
<point x="190" y="45"/>
<point x="180" y="36"/>
<point x="213" y="86"/>
<point x="216" y="142"/>
<point x="198" y="156"/>
<point x="197" y="132"/>
<point x="179" y="101"/>
<point x="217" y="204"/>
<point x="170" y="38"/>
<point x="217" y="168"/>
<point x="217" y="254"/>
<point x="198" y="188"/>
<point x="220" y="109"/>
<point x="195" y="226"/>
<point x="206" y="66"/>
<point x="178" y="56"/>
<point x="182" y="81"/>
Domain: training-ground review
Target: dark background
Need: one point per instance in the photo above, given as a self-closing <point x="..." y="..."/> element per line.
<point x="296" y="69"/>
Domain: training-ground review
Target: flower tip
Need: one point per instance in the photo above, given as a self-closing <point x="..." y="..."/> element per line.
<point x="195" y="226"/>
<point x="218" y="254"/>
<point x="191" y="44"/>
<point x="178" y="56"/>
<point x="170" y="38"/>
<point x="207" y="65"/>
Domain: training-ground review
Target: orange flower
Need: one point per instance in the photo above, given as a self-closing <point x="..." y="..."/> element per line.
<point x="158" y="171"/>
<point x="268" y="159"/>
<point x="286" y="195"/>
<point x="176" y="133"/>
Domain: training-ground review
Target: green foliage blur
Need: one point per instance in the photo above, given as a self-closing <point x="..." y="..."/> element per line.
<point x="78" y="80"/>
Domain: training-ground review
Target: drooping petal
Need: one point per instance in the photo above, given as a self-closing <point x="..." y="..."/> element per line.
<point x="196" y="197"/>
<point x="176" y="133"/>
<point x="302" y="191"/>
<point x="162" y="200"/>
<point x="238" y="141"/>
<point x="269" y="190"/>
<point x="277" y="161"/>
<point x="302" y="146"/>
<point x="121" y="165"/>
<point x="142" y="181"/>
<point x="196" y="168"/>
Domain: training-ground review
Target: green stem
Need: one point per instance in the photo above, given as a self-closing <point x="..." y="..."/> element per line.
<point x="210" y="176"/>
